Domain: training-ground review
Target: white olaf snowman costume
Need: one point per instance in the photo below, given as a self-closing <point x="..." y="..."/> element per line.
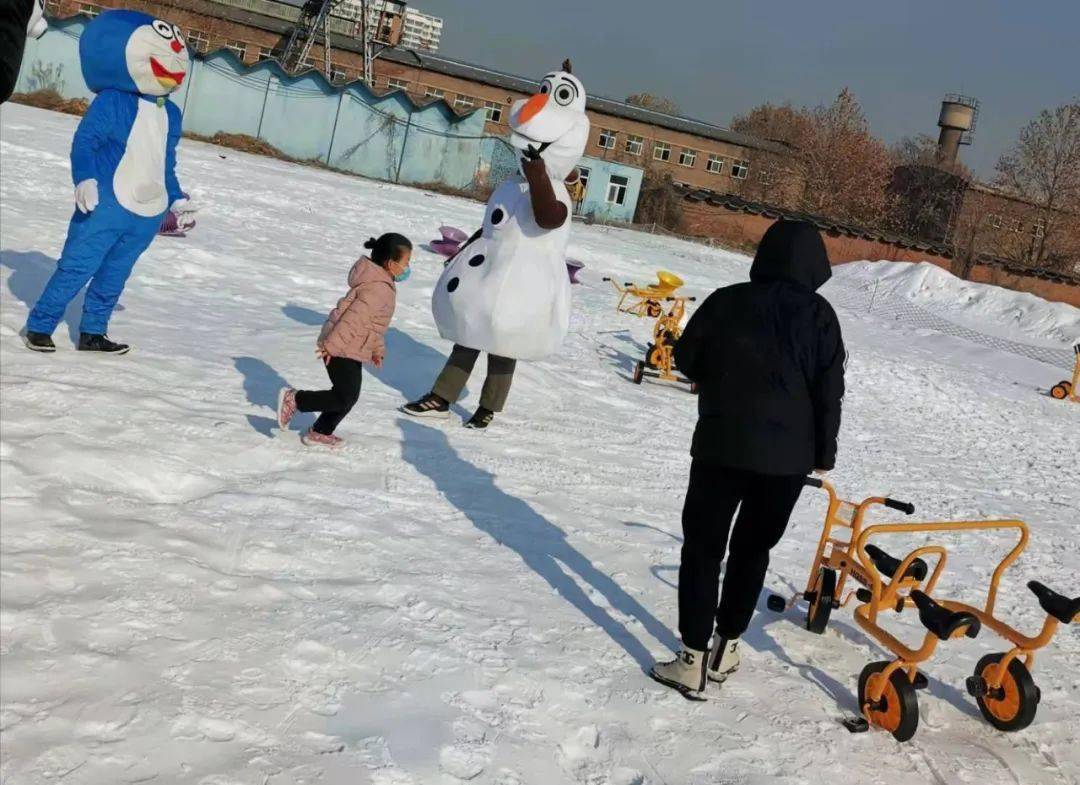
<point x="507" y="291"/>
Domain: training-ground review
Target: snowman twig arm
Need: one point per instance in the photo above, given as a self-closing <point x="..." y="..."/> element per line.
<point x="548" y="211"/>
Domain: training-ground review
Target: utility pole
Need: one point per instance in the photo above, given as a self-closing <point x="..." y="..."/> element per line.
<point x="369" y="76"/>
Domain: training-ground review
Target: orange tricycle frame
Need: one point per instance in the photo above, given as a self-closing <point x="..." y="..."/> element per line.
<point x="906" y="587"/>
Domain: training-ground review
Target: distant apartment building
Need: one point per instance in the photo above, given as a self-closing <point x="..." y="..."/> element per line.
<point x="422" y="31"/>
<point x="396" y="23"/>
<point x="386" y="17"/>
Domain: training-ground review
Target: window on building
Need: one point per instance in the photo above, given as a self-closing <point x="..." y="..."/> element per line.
<point x="607" y="139"/>
<point x="52" y="7"/>
<point x="90" y="9"/>
<point x="337" y="73"/>
<point x="265" y="52"/>
<point x="464" y="102"/>
<point x="616" y="190"/>
<point x="397" y="84"/>
<point x="433" y="92"/>
<point x="740" y="169"/>
<point x="198" y="40"/>
<point x="715" y="164"/>
<point x="494" y="111"/>
<point x="634" y="145"/>
<point x="1016" y="225"/>
<point x="994" y="220"/>
<point x="765" y="176"/>
<point x="239" y="48"/>
<point x="661" y="151"/>
<point x="583" y="175"/>
<point x="687" y="157"/>
<point x="1039" y="227"/>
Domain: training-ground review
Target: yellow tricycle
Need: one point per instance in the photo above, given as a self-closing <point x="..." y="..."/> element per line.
<point x="649" y="301"/>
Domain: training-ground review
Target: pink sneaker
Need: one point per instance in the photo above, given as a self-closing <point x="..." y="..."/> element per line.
<point x="286" y="406"/>
<point x="314" y="439"/>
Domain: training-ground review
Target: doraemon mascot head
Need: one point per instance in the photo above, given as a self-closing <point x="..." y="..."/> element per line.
<point x="553" y="122"/>
<point x="134" y="53"/>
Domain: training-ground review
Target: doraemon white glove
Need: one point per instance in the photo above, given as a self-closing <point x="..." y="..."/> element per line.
<point x="184" y="209"/>
<point x="86" y="196"/>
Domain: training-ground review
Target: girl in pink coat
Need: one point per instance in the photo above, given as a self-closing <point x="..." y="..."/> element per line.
<point x="353" y="335"/>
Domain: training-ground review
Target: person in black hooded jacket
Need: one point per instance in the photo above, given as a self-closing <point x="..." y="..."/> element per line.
<point x="768" y="359"/>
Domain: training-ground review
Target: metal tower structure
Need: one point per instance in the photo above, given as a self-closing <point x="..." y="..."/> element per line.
<point x="313" y="20"/>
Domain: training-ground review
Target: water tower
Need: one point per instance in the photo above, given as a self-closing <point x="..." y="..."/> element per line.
<point x="959" y="114"/>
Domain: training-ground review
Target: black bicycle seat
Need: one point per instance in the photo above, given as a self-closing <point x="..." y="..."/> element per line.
<point x="1057" y="605"/>
<point x="941" y="621"/>
<point x="888" y="565"/>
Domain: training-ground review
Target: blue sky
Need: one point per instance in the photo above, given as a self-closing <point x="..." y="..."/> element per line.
<point x="717" y="58"/>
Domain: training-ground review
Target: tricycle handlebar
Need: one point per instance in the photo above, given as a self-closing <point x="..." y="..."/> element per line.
<point x="905" y="507"/>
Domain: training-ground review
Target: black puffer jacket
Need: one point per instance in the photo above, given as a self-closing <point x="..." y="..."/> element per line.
<point x="768" y="358"/>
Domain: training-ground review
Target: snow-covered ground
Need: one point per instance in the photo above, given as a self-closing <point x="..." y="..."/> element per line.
<point x="189" y="596"/>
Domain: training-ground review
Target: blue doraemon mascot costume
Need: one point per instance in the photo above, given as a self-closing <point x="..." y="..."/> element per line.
<point x="123" y="164"/>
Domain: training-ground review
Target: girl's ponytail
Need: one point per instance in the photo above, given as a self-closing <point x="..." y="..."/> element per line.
<point x="388" y="248"/>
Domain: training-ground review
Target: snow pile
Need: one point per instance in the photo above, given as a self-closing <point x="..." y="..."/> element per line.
<point x="983" y="307"/>
<point x="188" y="596"/>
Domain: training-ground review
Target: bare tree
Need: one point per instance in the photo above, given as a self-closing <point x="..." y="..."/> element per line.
<point x="923" y="198"/>
<point x="1043" y="168"/>
<point x="655" y="102"/>
<point x="836" y="167"/>
<point x="659" y="202"/>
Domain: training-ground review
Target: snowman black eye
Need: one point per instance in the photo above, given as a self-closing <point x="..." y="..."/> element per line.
<point x="176" y="34"/>
<point x="497" y="216"/>
<point x="163" y="28"/>
<point x="564" y="96"/>
<point x="545" y="88"/>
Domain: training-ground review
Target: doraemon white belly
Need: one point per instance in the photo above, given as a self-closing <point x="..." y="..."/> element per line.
<point x="508" y="292"/>
<point x="139" y="180"/>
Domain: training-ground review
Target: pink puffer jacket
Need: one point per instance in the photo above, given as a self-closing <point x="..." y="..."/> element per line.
<point x="355" y="328"/>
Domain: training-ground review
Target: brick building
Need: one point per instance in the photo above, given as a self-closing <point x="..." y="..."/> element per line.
<point x="695" y="153"/>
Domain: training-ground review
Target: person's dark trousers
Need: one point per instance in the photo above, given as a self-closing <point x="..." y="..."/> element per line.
<point x="458" y="368"/>
<point x="345" y="376"/>
<point x="764" y="504"/>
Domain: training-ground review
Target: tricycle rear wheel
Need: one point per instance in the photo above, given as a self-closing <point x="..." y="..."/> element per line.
<point x="824" y="592"/>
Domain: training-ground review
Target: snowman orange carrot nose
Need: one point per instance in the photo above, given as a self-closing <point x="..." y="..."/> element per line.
<point x="532" y="107"/>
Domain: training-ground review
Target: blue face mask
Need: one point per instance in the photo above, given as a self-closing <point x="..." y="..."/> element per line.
<point x="404" y="276"/>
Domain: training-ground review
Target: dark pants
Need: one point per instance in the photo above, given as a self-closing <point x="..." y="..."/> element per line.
<point x="335" y="403"/>
<point x="458" y="368"/>
<point x="764" y="503"/>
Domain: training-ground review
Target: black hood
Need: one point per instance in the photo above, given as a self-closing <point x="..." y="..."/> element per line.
<point x="792" y="251"/>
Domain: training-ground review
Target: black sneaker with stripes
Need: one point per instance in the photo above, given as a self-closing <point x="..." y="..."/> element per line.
<point x="431" y="405"/>
<point x="482" y="419"/>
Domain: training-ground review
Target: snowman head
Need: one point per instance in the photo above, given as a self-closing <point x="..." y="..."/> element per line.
<point x="553" y="121"/>
<point x="133" y="52"/>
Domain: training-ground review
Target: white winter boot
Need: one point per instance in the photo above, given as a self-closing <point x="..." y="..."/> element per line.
<point x="723" y="658"/>
<point x="685" y="673"/>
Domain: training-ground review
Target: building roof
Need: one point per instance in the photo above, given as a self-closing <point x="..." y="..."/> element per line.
<point x="489" y="76"/>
